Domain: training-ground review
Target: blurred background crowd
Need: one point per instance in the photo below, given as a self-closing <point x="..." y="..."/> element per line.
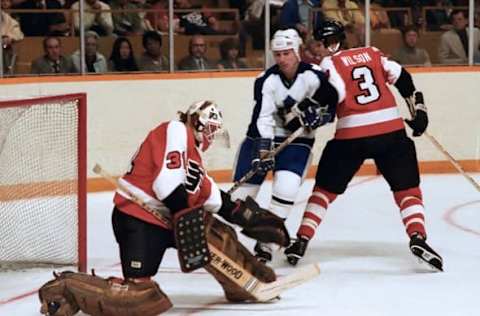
<point x="50" y="36"/>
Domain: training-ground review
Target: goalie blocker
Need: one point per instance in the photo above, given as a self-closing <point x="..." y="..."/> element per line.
<point x="256" y="222"/>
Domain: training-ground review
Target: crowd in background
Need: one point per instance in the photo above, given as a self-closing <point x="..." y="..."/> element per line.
<point x="243" y="30"/>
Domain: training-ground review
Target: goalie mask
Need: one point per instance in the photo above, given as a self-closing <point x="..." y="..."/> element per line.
<point x="207" y="122"/>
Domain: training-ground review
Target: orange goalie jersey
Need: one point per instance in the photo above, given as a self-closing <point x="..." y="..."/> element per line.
<point x="167" y="158"/>
<point x="366" y="106"/>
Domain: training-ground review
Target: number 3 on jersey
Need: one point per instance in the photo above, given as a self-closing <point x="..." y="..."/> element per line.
<point x="366" y="82"/>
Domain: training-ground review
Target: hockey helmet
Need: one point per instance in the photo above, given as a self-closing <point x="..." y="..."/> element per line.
<point x="207" y="121"/>
<point x="331" y="33"/>
<point x="286" y="39"/>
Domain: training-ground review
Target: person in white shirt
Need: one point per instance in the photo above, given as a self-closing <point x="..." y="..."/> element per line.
<point x="96" y="17"/>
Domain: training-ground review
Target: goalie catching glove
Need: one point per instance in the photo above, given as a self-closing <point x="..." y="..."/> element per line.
<point x="419" y="121"/>
<point x="257" y="223"/>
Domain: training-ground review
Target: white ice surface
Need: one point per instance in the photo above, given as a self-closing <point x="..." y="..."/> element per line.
<point x="367" y="268"/>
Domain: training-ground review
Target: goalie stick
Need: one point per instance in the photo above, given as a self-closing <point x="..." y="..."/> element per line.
<point x="439" y="146"/>
<point x="272" y="153"/>
<point x="262" y="291"/>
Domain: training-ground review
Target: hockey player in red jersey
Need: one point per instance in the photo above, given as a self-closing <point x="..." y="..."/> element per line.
<point x="369" y="125"/>
<point x="168" y="176"/>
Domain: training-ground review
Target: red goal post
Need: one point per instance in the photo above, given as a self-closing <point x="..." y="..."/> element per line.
<point x="43" y="178"/>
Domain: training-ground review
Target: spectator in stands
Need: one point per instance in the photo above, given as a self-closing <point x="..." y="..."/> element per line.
<point x="126" y="22"/>
<point x="437" y="19"/>
<point x="314" y="52"/>
<point x="95" y="18"/>
<point x="152" y="59"/>
<point x="397" y="18"/>
<point x="296" y="14"/>
<point x="122" y="57"/>
<point x="253" y="25"/>
<point x="229" y="55"/>
<point x="194" y="21"/>
<point x="11" y="33"/>
<point x="196" y="59"/>
<point x="378" y="16"/>
<point x="345" y="11"/>
<point x="409" y="53"/>
<point x="53" y="62"/>
<point x="453" y="47"/>
<point x="240" y="5"/>
<point x="158" y="18"/>
<point x="350" y="15"/>
<point x="42" y="24"/>
<point x="94" y="61"/>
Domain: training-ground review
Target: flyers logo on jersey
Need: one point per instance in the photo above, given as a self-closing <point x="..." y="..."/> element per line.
<point x="195" y="175"/>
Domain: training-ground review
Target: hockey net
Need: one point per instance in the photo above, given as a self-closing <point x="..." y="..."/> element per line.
<point x="43" y="182"/>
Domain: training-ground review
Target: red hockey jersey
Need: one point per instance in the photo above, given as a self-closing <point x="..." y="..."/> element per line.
<point x="167" y="158"/>
<point x="366" y="106"/>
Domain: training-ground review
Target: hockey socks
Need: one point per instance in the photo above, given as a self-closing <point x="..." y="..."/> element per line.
<point x="315" y="211"/>
<point x="411" y="210"/>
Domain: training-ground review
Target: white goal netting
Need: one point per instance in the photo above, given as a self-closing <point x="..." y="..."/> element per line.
<point x="39" y="182"/>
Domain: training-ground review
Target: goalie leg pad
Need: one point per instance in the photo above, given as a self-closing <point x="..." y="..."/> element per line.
<point x="224" y="238"/>
<point x="101" y="297"/>
<point x="190" y="239"/>
<point x="55" y="298"/>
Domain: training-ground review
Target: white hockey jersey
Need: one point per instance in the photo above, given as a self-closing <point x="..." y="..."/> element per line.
<point x="274" y="94"/>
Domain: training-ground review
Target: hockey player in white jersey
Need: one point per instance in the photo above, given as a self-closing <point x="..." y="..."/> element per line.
<point x="168" y="176"/>
<point x="288" y="95"/>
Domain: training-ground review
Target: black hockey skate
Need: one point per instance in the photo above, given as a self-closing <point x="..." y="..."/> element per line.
<point x="424" y="252"/>
<point x="296" y="251"/>
<point x="263" y="252"/>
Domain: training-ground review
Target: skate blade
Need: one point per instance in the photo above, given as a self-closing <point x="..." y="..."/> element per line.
<point x="432" y="267"/>
<point x="426" y="257"/>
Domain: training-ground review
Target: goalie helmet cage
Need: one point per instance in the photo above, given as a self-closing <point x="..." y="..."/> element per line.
<point x="43" y="178"/>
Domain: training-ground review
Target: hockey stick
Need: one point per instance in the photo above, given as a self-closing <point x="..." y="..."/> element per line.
<point x="450" y="158"/>
<point x="272" y="153"/>
<point x="262" y="291"/>
<point x="97" y="169"/>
